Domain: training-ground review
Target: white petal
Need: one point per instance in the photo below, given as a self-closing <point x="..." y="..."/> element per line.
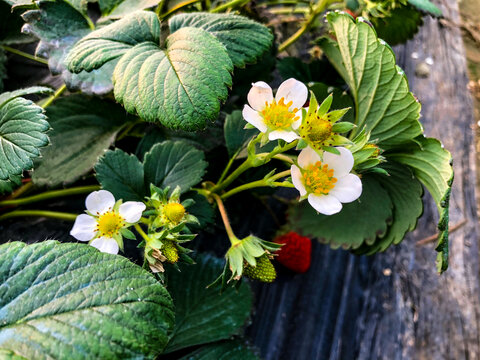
<point x="297" y="180"/>
<point x="84" y="227"/>
<point x="347" y="188"/>
<point x="131" y="211"/>
<point x="307" y="157"/>
<point x="341" y="164"/>
<point x="106" y="245"/>
<point x="260" y="94"/>
<point x="288" y="136"/>
<point x="292" y="90"/>
<point x="99" y="202"/>
<point x="325" y="204"/>
<point x="254" y="118"/>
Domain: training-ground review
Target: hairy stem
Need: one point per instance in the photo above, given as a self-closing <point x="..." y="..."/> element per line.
<point x="50" y="195"/>
<point x="39" y="213"/>
<point x="226" y="222"/>
<point x="25" y="55"/>
<point x="141" y="232"/>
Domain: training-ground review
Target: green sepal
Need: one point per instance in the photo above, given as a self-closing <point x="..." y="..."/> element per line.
<point x="331" y="149"/>
<point x="126" y="233"/>
<point x="325" y="106"/>
<point x="337" y="115"/>
<point x="302" y="144"/>
<point x="342" y="127"/>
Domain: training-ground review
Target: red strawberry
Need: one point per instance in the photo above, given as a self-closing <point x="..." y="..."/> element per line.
<point x="296" y="253"/>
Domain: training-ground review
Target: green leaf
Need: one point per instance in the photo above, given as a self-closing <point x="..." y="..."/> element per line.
<point x="111" y="42"/>
<point x="120" y="8"/>
<point x="359" y="222"/>
<point x="59" y="26"/>
<point x="71" y="301"/>
<point x="8" y="96"/>
<point x="426" y="6"/>
<point x="180" y="86"/>
<point x="205" y="315"/>
<point x="152" y="137"/>
<point x="122" y="175"/>
<point x="432" y="165"/>
<point x="23" y="128"/>
<point x="7" y="186"/>
<point x="10" y="355"/>
<point x="201" y="209"/>
<point x="83" y="128"/>
<point x="174" y="164"/>
<point x="406" y="192"/>
<point x="398" y="27"/>
<point x="236" y="137"/>
<point x="384" y="104"/>
<point x="227" y="350"/>
<point x="245" y="40"/>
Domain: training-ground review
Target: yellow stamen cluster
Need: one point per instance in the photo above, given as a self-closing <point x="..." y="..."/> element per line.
<point x="316" y="131"/>
<point x="174" y="212"/>
<point x="278" y="115"/>
<point x="318" y="179"/>
<point x="109" y="224"/>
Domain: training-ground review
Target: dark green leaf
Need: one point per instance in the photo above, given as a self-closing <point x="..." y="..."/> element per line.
<point x="119" y="8"/>
<point x="398" y="27"/>
<point x="205" y="315"/>
<point x="201" y="209"/>
<point x="23" y="128"/>
<point x="180" y="86"/>
<point x="153" y="136"/>
<point x="227" y="350"/>
<point x="426" y="6"/>
<point x="8" y="96"/>
<point x="110" y="42"/>
<point x="122" y="175"/>
<point x="432" y="165"/>
<point x="59" y="26"/>
<point x="359" y="222"/>
<point x="174" y="164"/>
<point x="384" y="104"/>
<point x="236" y="137"/>
<point x="406" y="192"/>
<point x="83" y="129"/>
<point x="245" y="40"/>
<point x="7" y="186"/>
<point x="71" y="301"/>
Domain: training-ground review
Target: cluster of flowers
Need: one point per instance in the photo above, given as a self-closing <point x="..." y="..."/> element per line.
<point x="322" y="172"/>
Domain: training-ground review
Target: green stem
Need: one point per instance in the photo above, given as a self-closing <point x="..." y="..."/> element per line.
<point x="25" y="55"/>
<point x="141" y="232"/>
<point x="21" y="190"/>
<point x="39" y="213"/>
<point x="226" y="222"/>
<point x="50" y="195"/>
<point x="247" y="164"/>
<point x="260" y="183"/>
<point x="317" y="10"/>
<point x="52" y="98"/>
<point x="227" y="168"/>
<point x="284" y="158"/>
<point x="127" y="129"/>
<point x="229" y="5"/>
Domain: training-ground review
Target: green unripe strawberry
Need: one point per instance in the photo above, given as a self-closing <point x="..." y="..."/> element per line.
<point x="170" y="251"/>
<point x="264" y="271"/>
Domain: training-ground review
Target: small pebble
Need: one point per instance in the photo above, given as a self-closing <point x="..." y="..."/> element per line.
<point x="422" y="70"/>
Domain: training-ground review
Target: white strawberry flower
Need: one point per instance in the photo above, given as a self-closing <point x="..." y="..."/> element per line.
<point x="105" y="219"/>
<point x="278" y="117"/>
<point x="328" y="183"/>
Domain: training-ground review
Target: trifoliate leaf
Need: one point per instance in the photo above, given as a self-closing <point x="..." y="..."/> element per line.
<point x="23" y="128"/>
<point x="111" y="42"/>
<point x="174" y="164"/>
<point x="406" y="192"/>
<point x="400" y="25"/>
<point x="202" y="314"/>
<point x="59" y="26"/>
<point x="83" y="129"/>
<point x="122" y="175"/>
<point x="225" y="350"/>
<point x="384" y="104"/>
<point x="432" y="165"/>
<point x="426" y="6"/>
<point x="120" y="8"/>
<point x="245" y="40"/>
<point x="180" y="86"/>
<point x="61" y="301"/>
<point x="236" y="137"/>
<point x="357" y="223"/>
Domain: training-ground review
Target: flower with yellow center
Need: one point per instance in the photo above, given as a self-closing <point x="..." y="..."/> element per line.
<point x="105" y="219"/>
<point x="328" y="183"/>
<point x="278" y="117"/>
